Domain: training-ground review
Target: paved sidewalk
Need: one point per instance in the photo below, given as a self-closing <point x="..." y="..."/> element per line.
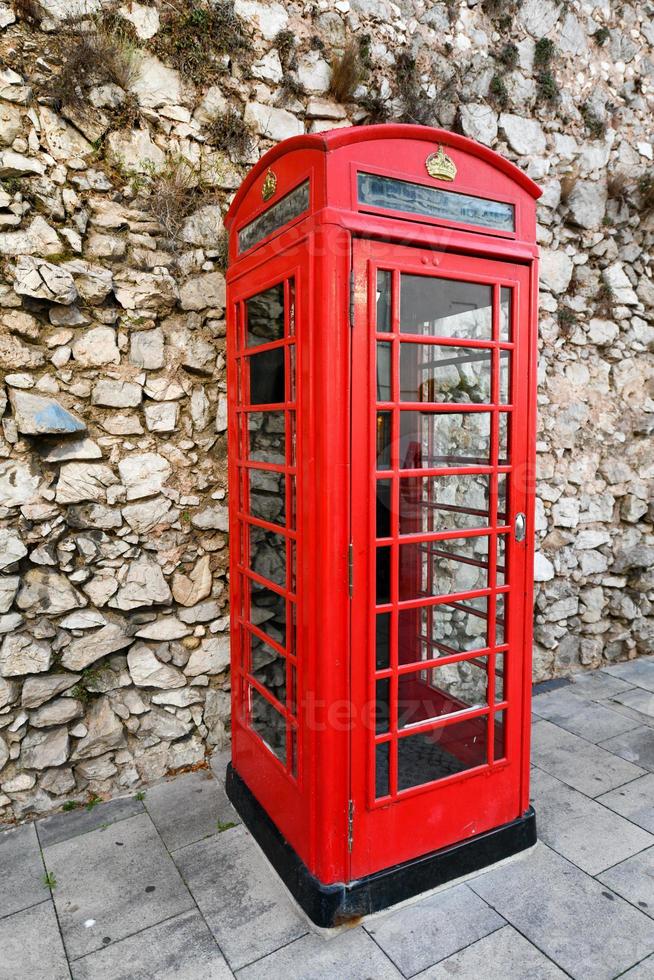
<point x="173" y="887"/>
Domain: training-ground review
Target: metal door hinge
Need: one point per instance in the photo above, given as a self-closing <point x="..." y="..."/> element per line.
<point x="352" y="298"/>
<point x="350" y="824"/>
<point x="350" y="569"/>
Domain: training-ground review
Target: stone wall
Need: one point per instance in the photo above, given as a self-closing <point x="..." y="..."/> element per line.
<point x="124" y="130"/>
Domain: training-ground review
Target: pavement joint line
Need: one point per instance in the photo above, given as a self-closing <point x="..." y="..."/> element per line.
<point x="190" y="891"/>
<point x="92" y="830"/>
<point x="34" y="905"/>
<point x="388" y="955"/>
<point x="54" y="904"/>
<point x="521" y="933"/>
<point x="596" y="799"/>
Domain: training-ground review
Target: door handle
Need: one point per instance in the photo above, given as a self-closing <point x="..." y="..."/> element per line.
<point x="520" y="526"/>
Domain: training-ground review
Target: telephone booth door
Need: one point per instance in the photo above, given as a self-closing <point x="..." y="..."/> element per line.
<point x="440" y="433"/>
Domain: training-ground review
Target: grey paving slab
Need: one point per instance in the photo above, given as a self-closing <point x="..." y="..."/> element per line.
<point x="240" y="896"/>
<point x="112" y="883"/>
<point x="21" y="870"/>
<point x="643" y="971"/>
<point x="634" y="880"/>
<point x="636" y="746"/>
<point x="63" y="826"/>
<point x="584" y="766"/>
<point x="635" y="801"/>
<point x="578" y="922"/>
<point x="419" y="935"/>
<point x="572" y="824"/>
<point x="31" y="947"/>
<point x="504" y="954"/>
<point x="597" y="685"/>
<point x="580" y="716"/>
<point x="350" y="954"/>
<point x="638" y="672"/>
<point x="177" y="949"/>
<point x="189" y="807"/>
<point x="638" y="699"/>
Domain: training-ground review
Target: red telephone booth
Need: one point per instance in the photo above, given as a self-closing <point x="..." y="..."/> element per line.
<point x="382" y="376"/>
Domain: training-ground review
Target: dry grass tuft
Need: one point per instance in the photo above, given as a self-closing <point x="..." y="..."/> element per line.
<point x="29" y="11"/>
<point x="347" y="73"/>
<point x="91" y="56"/>
<point x="195" y="33"/>
<point x="568" y="183"/>
<point x="229" y="132"/>
<point x="646" y="189"/>
<point x="174" y="192"/>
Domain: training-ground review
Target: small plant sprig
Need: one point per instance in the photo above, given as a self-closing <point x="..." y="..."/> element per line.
<point x="49" y="880"/>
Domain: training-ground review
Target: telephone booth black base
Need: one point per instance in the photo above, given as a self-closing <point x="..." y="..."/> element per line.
<point x="338" y="904"/>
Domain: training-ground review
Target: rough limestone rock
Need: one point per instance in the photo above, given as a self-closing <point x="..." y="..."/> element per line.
<point x="203" y="227"/>
<point x="70" y="449"/>
<point x="525" y="136"/>
<point x="12" y="548"/>
<point x="116" y="394"/>
<point x="43" y="280"/>
<point x="21" y="654"/>
<point x="62" y="140"/>
<point x="82" y="652"/>
<point x="8" y="589"/>
<point x="144" y="474"/>
<point x="268" y="18"/>
<point x="146" y="515"/>
<point x="587" y="203"/>
<point x="145" y="291"/>
<point x="84" y="481"/>
<point x="97" y="347"/>
<point x="38" y="416"/>
<point x="17" y="165"/>
<point x="38" y="690"/>
<point x="479" y="122"/>
<point x="44" y="749"/>
<point x="9" y="692"/>
<point x="211" y="657"/>
<point x="164" y="629"/>
<point x="45" y="591"/>
<point x="156" y="85"/>
<point x="92" y="281"/>
<point x="202" y="292"/>
<point x="555" y="270"/>
<point x="58" y="712"/>
<point x="273" y="123"/>
<point x="105" y="731"/>
<point x="147" y="671"/>
<point x="144" y="19"/>
<point x="192" y="588"/>
<point x="143" y="585"/>
<point x="135" y="150"/>
<point x="18" y="484"/>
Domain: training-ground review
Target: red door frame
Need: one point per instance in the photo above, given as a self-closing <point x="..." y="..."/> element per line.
<point x="427" y="818"/>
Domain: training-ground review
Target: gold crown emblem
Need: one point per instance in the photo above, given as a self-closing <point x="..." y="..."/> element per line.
<point x="440" y="166"/>
<point x="269" y="185"/>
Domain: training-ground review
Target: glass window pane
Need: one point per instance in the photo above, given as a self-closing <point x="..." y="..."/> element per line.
<point x="382" y="708"/>
<point x="382" y="769"/>
<point x="500" y="619"/>
<point x="383" y="301"/>
<point x="502" y="495"/>
<point x="268" y="612"/>
<point x="267" y="492"/>
<point x="268" y="724"/>
<point x="441" y="691"/>
<point x="383" y="440"/>
<point x="266" y="433"/>
<point x="431" y="504"/>
<point x="439" y="631"/>
<point x="454" y="748"/>
<point x="384" y="508"/>
<point x="384" y="372"/>
<point x="268" y="667"/>
<point x="267" y="377"/>
<point x="505" y="377"/>
<point x="383" y="575"/>
<point x="383" y="640"/>
<point x="500" y="735"/>
<point x="503" y="439"/>
<point x="268" y="555"/>
<point x="265" y="316"/>
<point x="500" y="571"/>
<point x="431" y="373"/>
<point x="505" y="313"/>
<point x="445" y="308"/>
<point x="500" y="677"/>
<point x="434" y="568"/>
<point x="435" y="439"/>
